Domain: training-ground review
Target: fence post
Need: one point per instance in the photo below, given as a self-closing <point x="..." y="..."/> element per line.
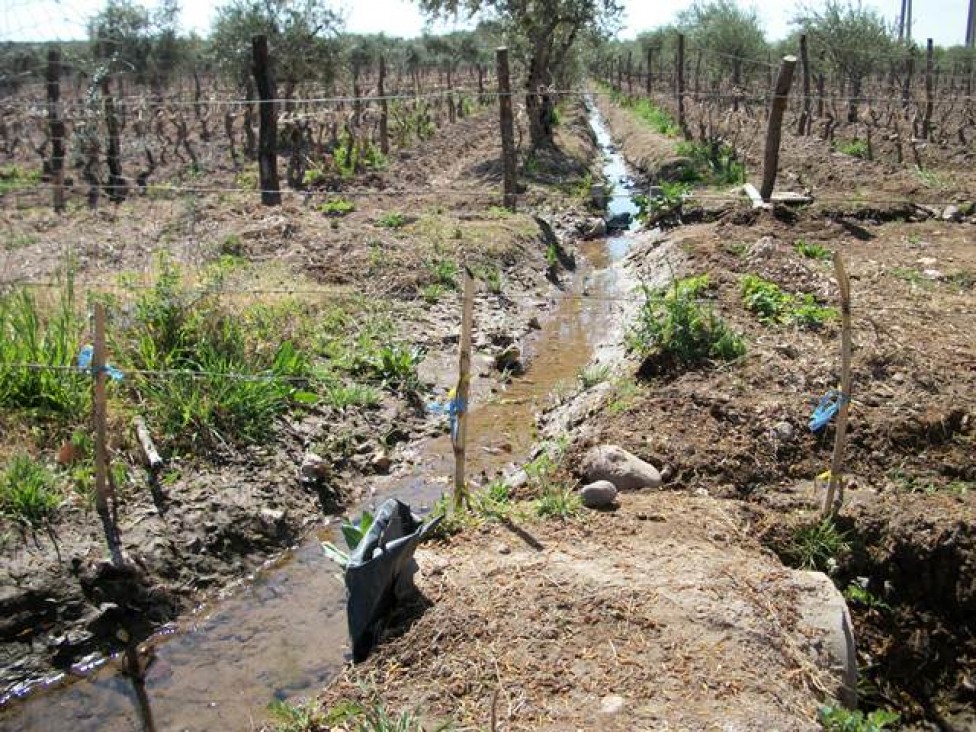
<point x="835" y="489"/>
<point x="507" y="128"/>
<point x="55" y="126"/>
<point x="680" y="86"/>
<point x="929" y="102"/>
<point x="384" y="109"/>
<point x="104" y="493"/>
<point x="774" y="130"/>
<point x="630" y="76"/>
<point x="650" y="85"/>
<point x="461" y="394"/>
<point x="803" y="127"/>
<point x="268" y="132"/>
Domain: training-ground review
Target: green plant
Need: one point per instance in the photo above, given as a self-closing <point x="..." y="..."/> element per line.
<point x="337" y="207"/>
<point x="816" y="545"/>
<point x="38" y="347"/>
<point x="288" y="717"/>
<point x="594" y="374"/>
<point x="28" y="491"/>
<point x="649" y="113"/>
<point x="552" y="254"/>
<point x="353" y="156"/>
<point x="862" y="596"/>
<point x="444" y="272"/>
<point x="397" y="366"/>
<point x="673" y="324"/>
<point x="774" y="306"/>
<point x="392" y="220"/>
<point x="558" y="501"/>
<point x="490" y="275"/>
<point x="341" y="396"/>
<point x="19" y="241"/>
<point x="713" y="163"/>
<point x="837" y="719"/>
<point x="353" y="533"/>
<point x="931" y="179"/>
<point x="432" y="293"/>
<point x="812" y="250"/>
<point x="664" y="205"/>
<point x="15" y="178"/>
<point x="857" y="147"/>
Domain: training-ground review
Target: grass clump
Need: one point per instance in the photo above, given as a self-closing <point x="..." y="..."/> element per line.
<point x="713" y="163"/>
<point x="651" y="115"/>
<point x="673" y="324"/>
<point x="15" y="178"/>
<point x="776" y="307"/>
<point x="337" y="207"/>
<point x="816" y="546"/>
<point x="838" y="719"/>
<point x="443" y="271"/>
<point x="32" y="338"/>
<point x="592" y="375"/>
<point x="812" y="250"/>
<point x="856" y="148"/>
<point x="392" y="220"/>
<point x="28" y="491"/>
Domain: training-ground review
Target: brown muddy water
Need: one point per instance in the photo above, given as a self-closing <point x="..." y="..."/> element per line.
<point x="282" y="635"/>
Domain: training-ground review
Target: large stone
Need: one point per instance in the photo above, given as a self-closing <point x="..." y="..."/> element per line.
<point x="600" y="494"/>
<point x="627" y="472"/>
<point x="826" y="621"/>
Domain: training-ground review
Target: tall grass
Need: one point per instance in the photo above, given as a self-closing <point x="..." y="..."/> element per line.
<point x="42" y="337"/>
<point x="28" y="491"/>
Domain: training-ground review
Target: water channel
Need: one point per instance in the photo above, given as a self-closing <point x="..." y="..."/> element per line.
<point x="283" y="635"/>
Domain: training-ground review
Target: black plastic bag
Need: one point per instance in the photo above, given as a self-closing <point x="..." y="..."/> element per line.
<point x="380" y="572"/>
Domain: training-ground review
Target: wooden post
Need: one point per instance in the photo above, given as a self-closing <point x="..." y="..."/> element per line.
<point x="650" y="79"/>
<point x="55" y="126"/>
<point x="104" y="494"/>
<point x="774" y="130"/>
<point x="971" y="25"/>
<point x="929" y="101"/>
<point x="113" y="154"/>
<point x="507" y="128"/>
<point x="384" y="109"/>
<point x="267" y="115"/>
<point x="803" y="126"/>
<point x="630" y="75"/>
<point x="680" y="85"/>
<point x="835" y="489"/>
<point x="462" y="393"/>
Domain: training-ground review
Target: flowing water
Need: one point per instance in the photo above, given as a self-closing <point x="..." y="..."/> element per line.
<point x="283" y="635"/>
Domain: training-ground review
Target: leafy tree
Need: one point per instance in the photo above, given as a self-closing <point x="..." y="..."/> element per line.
<point x="853" y="38"/>
<point x="302" y="36"/>
<point x="549" y="29"/>
<point x="730" y="36"/>
<point x="126" y="37"/>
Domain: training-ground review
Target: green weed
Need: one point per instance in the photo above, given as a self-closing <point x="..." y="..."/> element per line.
<point x="15" y="178"/>
<point x="932" y="179"/>
<point x="673" y="324"/>
<point x="356" y="156"/>
<point x="433" y="293"/>
<point x="28" y="491"/>
<point x="490" y="275"/>
<point x="444" y="272"/>
<point x="19" y="241"/>
<point x="558" y="501"/>
<point x="837" y="719"/>
<point x="592" y="375"/>
<point x="337" y="207"/>
<point x="812" y="250"/>
<point x="397" y="365"/>
<point x="649" y="113"/>
<point x="342" y="396"/>
<point x="392" y="220"/>
<point x="287" y="717"/>
<point x="664" y="205"/>
<point x="858" y="595"/>
<point x="713" y="163"/>
<point x="774" y="306"/>
<point x="816" y="546"/>
<point x="38" y="347"/>
<point x="857" y="147"/>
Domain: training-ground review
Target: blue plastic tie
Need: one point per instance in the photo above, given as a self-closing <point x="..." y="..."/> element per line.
<point x="85" y="357"/>
<point x="453" y="409"/>
<point x="829" y="405"/>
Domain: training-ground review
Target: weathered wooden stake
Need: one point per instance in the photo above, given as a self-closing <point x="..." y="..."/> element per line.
<point x="507" y="128"/>
<point x="680" y="86"/>
<point x="929" y="100"/>
<point x="835" y="489"/>
<point x="803" y="126"/>
<point x="384" y="109"/>
<point x="774" y="131"/>
<point x="268" y="118"/>
<point x="462" y="392"/>
<point x="649" y="88"/>
<point x="55" y="127"/>
<point x="104" y="493"/>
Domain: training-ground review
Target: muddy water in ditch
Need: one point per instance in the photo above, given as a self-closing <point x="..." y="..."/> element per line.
<point x="283" y="635"/>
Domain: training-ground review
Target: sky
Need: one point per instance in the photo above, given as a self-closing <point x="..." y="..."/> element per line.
<point x="39" y="20"/>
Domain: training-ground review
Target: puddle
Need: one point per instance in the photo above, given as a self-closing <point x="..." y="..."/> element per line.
<point x="284" y="634"/>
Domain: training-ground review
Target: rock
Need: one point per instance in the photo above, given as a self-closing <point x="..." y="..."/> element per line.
<point x="600" y="494"/>
<point x="516" y="480"/>
<point x="927" y="261"/>
<point x="594" y="229"/>
<point x="627" y="472"/>
<point x="932" y="274"/>
<point x="612" y="704"/>
<point x="503" y="549"/>
<point x="763" y="249"/>
<point x="952" y="213"/>
<point x="667" y="473"/>
<point x="825" y="619"/>
<point x="619" y="222"/>
<point x="380" y="463"/>
<point x="272" y="516"/>
<point x="509" y="359"/>
<point x="783" y="431"/>
<point x="314" y="468"/>
<point x="534" y="323"/>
